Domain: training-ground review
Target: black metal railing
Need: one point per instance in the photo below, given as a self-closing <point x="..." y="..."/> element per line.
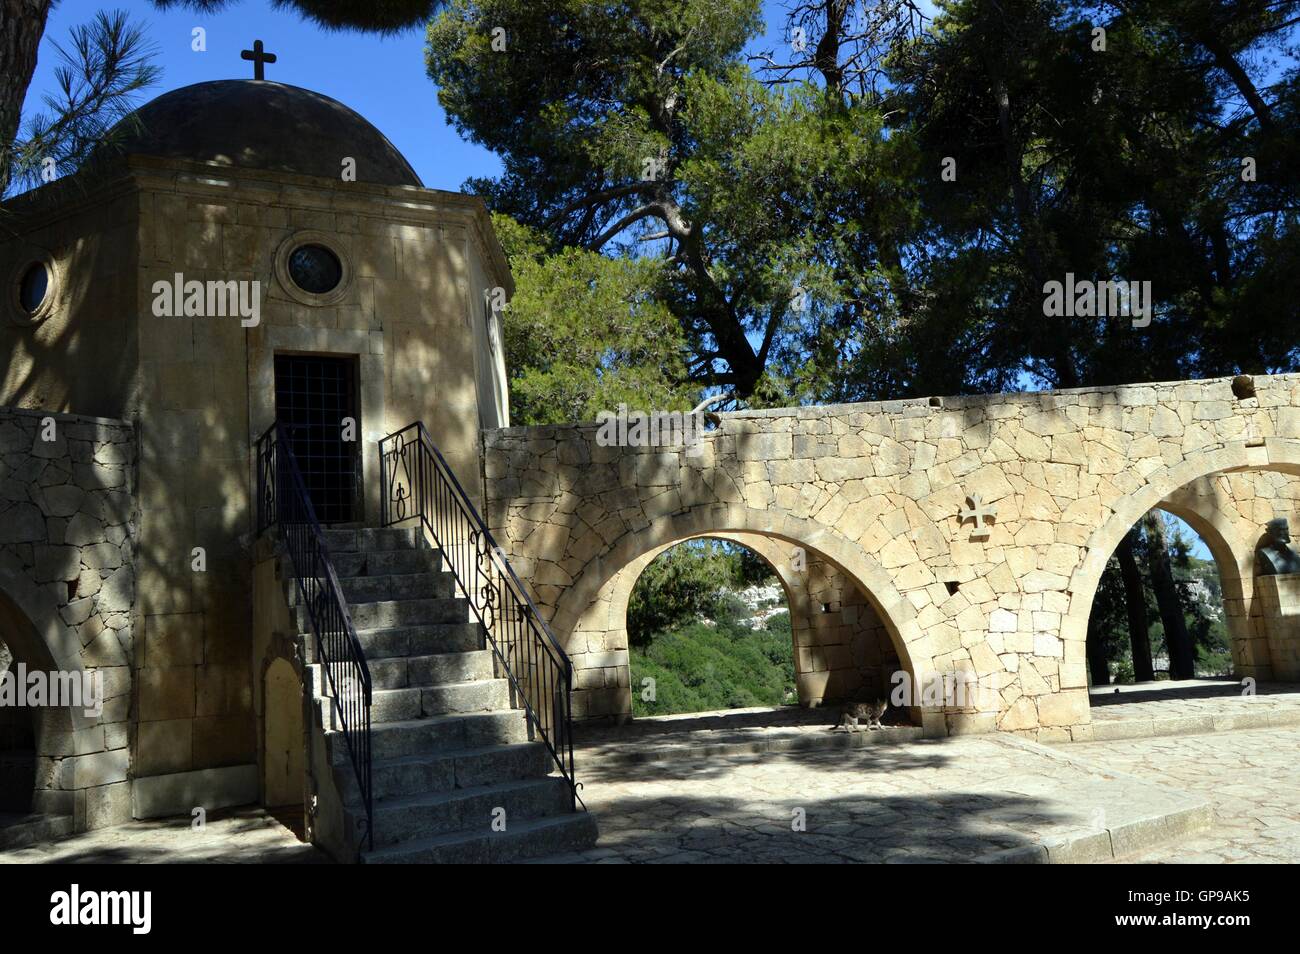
<point x="283" y="503"/>
<point x="417" y="483"/>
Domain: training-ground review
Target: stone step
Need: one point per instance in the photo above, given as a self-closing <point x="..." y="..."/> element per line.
<point x="391" y="614"/>
<point x="441" y="772"/>
<point x="400" y="672"/>
<point x="373" y="538"/>
<point x="401" y="705"/>
<point x="383" y="614"/>
<point x="529" y="838"/>
<point x="429" y="814"/>
<point x="483" y="695"/>
<point x="427" y="640"/>
<point x="387" y="588"/>
<point x="349" y="563"/>
<point x="399" y="586"/>
<point x="22" y="830"/>
<point x="436" y="734"/>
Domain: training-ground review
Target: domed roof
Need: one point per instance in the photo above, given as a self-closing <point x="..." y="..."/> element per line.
<point x="257" y="124"/>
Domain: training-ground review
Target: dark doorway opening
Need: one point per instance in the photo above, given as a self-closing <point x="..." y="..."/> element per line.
<point x="17" y="749"/>
<point x="315" y="399"/>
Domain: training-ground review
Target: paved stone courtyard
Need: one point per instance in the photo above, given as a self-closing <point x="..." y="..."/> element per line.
<point x="719" y="788"/>
<point x="1252" y="778"/>
<point x="243" y="836"/>
<point x="1191" y="706"/>
<point x="987" y="798"/>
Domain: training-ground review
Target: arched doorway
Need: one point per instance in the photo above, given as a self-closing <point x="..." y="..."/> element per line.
<point x="590" y="620"/>
<point x="778" y="626"/>
<point x="1233" y="652"/>
<point x="33" y="806"/>
<point x="1158" y="614"/>
<point x="17" y="747"/>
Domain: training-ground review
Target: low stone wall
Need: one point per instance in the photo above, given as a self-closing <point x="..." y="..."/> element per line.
<point x="68" y="523"/>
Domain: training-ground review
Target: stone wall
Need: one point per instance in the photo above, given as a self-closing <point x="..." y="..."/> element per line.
<point x="877" y="490"/>
<point x="842" y="649"/>
<point x="68" y="545"/>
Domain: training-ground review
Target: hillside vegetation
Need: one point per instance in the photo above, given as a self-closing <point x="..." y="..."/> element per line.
<point x="691" y="635"/>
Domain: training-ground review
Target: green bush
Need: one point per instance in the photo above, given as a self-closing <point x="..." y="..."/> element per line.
<point x="697" y="667"/>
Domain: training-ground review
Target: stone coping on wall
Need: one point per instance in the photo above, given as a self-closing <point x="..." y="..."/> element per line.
<point x="66" y="417"/>
<point x="1136" y="394"/>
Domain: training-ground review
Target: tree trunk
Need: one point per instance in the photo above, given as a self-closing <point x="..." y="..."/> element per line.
<point x="1224" y="59"/>
<point x="1136" y="599"/>
<point x="1096" y="649"/>
<point x="826" y="58"/>
<point x="22" y="23"/>
<point x="1177" y="639"/>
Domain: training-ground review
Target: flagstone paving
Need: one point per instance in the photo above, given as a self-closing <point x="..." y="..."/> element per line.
<point x="975" y="798"/>
<point x="714" y="789"/>
<point x="1191" y="706"/>
<point x="1252" y="778"/>
<point x="242" y="836"/>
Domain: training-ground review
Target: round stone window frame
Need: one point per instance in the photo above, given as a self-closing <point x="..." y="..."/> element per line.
<point x="53" y="284"/>
<point x="291" y="288"/>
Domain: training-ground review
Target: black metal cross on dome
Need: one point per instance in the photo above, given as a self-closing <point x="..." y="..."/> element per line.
<point x="258" y="57"/>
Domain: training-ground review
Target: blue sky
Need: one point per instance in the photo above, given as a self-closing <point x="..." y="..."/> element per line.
<point x="382" y="78"/>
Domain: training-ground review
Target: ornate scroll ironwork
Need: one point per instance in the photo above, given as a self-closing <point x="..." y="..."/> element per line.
<point x="525" y="651"/>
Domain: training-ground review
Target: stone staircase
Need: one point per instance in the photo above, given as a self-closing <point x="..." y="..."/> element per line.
<point x="447" y="749"/>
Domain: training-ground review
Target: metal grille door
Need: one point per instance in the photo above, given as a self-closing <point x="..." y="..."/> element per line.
<point x="313" y="397"/>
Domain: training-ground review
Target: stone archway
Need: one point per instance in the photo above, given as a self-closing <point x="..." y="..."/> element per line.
<point x="1188" y="491"/>
<point x="51" y="727"/>
<point x="590" y="618"/>
<point x="17" y="745"/>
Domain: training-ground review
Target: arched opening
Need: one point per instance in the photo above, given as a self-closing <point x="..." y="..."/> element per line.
<point x="590" y="615"/>
<point x="1158" y="614"/>
<point x="33" y="806"/>
<point x="17" y="748"/>
<point x="796" y="631"/>
<point x="284" y="768"/>
<point x="1232" y="643"/>
<point x="709" y="628"/>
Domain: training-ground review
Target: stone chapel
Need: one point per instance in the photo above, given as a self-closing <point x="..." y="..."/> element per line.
<point x="129" y="539"/>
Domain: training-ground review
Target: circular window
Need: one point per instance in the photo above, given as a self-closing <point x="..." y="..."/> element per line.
<point x="33" y="287"/>
<point x="315" y="269"/>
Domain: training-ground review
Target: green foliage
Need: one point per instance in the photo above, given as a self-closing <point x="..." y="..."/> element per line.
<point x="688" y="631"/>
<point x="638" y="131"/>
<point x="681" y="584"/>
<point x="1203" y="617"/>
<point x="584" y="333"/>
<point x="814" y="183"/>
<point x="697" y="667"/>
<point x="102" y="67"/>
